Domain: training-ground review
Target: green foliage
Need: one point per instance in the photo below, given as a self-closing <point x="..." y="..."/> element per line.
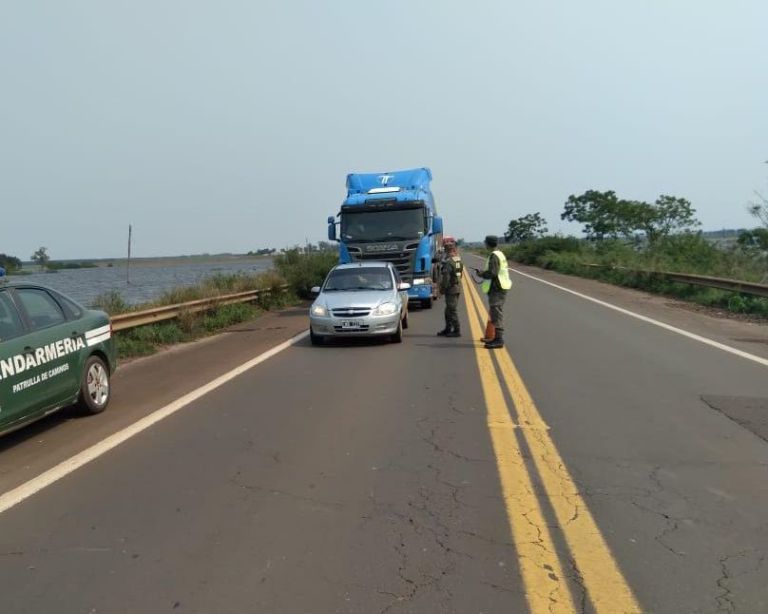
<point x="41" y="257"/>
<point x="188" y="326"/>
<point x="754" y="240"/>
<point x="606" y="216"/>
<point x="526" y="228"/>
<point x="629" y="264"/>
<point x="759" y="209"/>
<point x="302" y="271"/>
<point x="58" y="266"/>
<point x="10" y="263"/>
<point x="112" y="302"/>
<point x="531" y="251"/>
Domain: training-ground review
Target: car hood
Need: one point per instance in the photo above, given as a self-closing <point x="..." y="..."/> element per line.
<point x="360" y="298"/>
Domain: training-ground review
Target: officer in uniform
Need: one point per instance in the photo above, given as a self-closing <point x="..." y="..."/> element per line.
<point x="496" y="284"/>
<point x="451" y="271"/>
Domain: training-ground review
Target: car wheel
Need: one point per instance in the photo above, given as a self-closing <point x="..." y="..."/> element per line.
<point x="315" y="339"/>
<point x="426" y="303"/>
<point x="398" y="336"/>
<point x="405" y="321"/>
<point x="95" y="387"/>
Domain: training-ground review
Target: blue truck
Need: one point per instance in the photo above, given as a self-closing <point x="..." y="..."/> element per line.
<point x="392" y="217"/>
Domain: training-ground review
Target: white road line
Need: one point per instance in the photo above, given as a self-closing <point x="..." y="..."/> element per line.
<point x="711" y="342"/>
<point x="20" y="493"/>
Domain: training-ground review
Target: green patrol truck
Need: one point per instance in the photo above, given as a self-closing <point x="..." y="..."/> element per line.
<point x="53" y="353"/>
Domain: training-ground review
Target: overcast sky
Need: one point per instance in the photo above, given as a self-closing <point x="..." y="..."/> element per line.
<point x="228" y="126"/>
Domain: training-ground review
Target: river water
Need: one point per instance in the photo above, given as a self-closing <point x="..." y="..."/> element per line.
<point x="148" y="280"/>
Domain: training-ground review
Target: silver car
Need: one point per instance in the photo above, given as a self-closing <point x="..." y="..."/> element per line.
<point x="359" y="300"/>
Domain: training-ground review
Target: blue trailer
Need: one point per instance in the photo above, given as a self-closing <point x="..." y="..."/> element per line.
<point x="392" y="217"/>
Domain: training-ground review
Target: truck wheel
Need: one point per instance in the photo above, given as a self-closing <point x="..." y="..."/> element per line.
<point x="398" y="336"/>
<point x="315" y="339"/>
<point x="426" y="303"/>
<point x="94" y="386"/>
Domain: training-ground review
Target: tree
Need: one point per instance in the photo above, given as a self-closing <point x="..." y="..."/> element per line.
<point x="525" y="228"/>
<point x="666" y="215"/>
<point x="759" y="207"/>
<point x="756" y="239"/>
<point x="599" y="212"/>
<point x="41" y="257"/>
<point x="10" y="263"/>
<point x="604" y="215"/>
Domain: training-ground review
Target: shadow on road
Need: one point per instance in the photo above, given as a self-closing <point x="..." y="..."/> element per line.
<point x="36" y="429"/>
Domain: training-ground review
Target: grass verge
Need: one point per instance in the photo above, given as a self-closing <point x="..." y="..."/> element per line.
<point x="626" y="264"/>
<point x="300" y="271"/>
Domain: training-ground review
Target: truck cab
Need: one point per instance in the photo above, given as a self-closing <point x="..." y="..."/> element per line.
<point x="392" y="217"/>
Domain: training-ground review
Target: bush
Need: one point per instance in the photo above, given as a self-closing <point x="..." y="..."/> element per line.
<point x="188" y="326"/>
<point x="302" y="271"/>
<point x="629" y="263"/>
<point x="529" y="252"/>
<point x="112" y="302"/>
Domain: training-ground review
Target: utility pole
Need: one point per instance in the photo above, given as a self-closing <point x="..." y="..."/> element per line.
<point x="128" y="262"/>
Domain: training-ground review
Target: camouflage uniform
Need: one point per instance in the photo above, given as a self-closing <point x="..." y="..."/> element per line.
<point x="451" y="270"/>
<point x="496" y="295"/>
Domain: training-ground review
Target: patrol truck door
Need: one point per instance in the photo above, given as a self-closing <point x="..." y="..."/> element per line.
<point x="49" y="325"/>
<point x="13" y="405"/>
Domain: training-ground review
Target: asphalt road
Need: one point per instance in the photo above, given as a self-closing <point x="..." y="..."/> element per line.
<point x="602" y="463"/>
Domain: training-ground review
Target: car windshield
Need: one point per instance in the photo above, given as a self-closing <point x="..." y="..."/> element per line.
<point x="359" y="279"/>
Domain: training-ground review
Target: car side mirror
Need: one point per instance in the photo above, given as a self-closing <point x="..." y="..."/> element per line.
<point x="315" y="290"/>
<point x="403" y="285"/>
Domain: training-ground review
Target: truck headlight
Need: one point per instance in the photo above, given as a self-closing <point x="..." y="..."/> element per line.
<point x="418" y="281"/>
<point x="385" y="309"/>
<point x="319" y="310"/>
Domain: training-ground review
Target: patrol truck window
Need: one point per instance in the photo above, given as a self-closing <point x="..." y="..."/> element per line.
<point x="74" y="309"/>
<point x="10" y="321"/>
<point x="42" y="310"/>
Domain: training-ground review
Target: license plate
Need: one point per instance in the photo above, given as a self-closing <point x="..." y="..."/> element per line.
<point x="351" y="324"/>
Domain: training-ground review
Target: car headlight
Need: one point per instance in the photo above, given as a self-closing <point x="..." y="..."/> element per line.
<point x="319" y="310"/>
<point x="385" y="309"/>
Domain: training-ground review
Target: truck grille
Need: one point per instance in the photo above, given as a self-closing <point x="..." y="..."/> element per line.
<point x="402" y="260"/>
<point x="351" y="312"/>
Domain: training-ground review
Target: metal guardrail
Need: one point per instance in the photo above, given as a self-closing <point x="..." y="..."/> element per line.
<point x="731" y="285"/>
<point x="125" y="321"/>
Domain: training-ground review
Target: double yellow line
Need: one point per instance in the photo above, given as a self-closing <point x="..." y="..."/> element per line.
<point x="546" y="587"/>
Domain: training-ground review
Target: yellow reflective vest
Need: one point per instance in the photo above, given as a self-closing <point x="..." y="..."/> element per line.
<point x="504" y="280"/>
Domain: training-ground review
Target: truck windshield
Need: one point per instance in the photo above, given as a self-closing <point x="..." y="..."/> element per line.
<point x="370" y="226"/>
<point x="378" y="278"/>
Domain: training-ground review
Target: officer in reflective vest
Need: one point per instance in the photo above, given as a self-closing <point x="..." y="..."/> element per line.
<point x="496" y="284"/>
<point x="451" y="271"/>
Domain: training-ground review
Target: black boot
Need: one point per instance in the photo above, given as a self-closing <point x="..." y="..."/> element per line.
<point x="497" y="343"/>
<point x="444" y="332"/>
<point x="456" y="332"/>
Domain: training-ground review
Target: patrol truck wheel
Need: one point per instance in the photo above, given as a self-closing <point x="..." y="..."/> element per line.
<point x="398" y="336"/>
<point x="426" y="303"/>
<point x="94" y="388"/>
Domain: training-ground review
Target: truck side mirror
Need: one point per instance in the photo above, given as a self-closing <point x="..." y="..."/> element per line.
<point x="437" y="225"/>
<point x="331" y="228"/>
